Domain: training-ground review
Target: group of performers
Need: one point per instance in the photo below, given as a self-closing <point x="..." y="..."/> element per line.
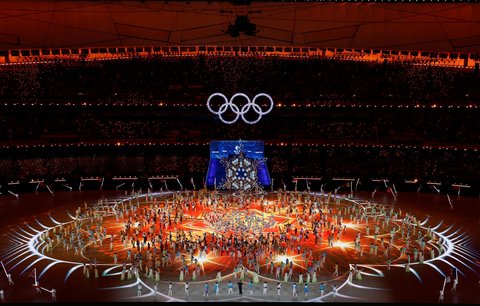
<point x="293" y="237"/>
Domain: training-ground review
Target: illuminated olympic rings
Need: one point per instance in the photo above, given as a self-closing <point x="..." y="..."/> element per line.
<point x="240" y="112"/>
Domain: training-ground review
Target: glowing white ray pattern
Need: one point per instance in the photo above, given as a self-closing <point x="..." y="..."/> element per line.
<point x="27" y="246"/>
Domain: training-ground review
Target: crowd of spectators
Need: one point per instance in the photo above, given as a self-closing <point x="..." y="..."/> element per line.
<point x="184" y="80"/>
<point x="140" y="82"/>
<point x="392" y="162"/>
<point x="412" y="126"/>
<point x="284" y="162"/>
<point x="24" y="169"/>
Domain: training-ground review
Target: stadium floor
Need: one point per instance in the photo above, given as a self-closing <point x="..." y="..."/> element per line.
<point x="19" y="253"/>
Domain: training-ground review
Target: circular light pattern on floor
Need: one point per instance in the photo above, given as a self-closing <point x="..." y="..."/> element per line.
<point x="450" y="246"/>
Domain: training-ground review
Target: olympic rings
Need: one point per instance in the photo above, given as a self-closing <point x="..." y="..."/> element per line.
<point x="239" y="112"/>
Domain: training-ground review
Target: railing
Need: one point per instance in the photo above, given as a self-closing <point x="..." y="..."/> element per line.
<point x="384" y="143"/>
<point x="447" y="59"/>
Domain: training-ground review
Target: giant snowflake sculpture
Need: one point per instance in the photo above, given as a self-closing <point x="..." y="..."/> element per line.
<point x="241" y="172"/>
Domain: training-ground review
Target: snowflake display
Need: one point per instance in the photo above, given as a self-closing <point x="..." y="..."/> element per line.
<point x="241" y="172"/>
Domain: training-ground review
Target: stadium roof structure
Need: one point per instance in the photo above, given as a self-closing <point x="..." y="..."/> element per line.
<point x="453" y="27"/>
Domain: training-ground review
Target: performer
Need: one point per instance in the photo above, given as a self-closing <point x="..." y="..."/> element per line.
<point x="10" y="281"/>
<point x="235" y="272"/>
<point x="170" y="293"/>
<point x="278" y="288"/>
<point x="305" y="290"/>
<point x="294" y="289"/>
<point x="350" y="274"/>
<point x="216" y="288"/>
<point x="441" y="297"/>
<point x="205" y="292"/>
<point x="322" y="288"/>
<point x="455" y="283"/>
<point x="54" y="295"/>
<point x="358" y="274"/>
<point x="230" y="288"/>
<point x="186" y="289"/>
<point x="240" y="287"/>
<point x="2" y="296"/>
<point x="37" y="287"/>
<point x="139" y="290"/>
<point x="265" y="286"/>
<point x="181" y="274"/>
